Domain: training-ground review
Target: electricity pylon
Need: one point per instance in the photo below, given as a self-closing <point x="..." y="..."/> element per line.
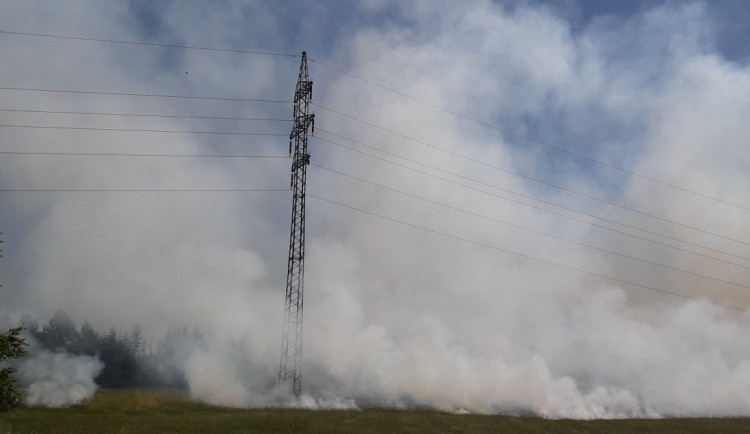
<point x="290" y="368"/>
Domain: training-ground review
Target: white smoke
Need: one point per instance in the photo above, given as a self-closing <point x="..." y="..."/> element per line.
<point x="229" y="375"/>
<point x="58" y="379"/>
<point x="53" y="379"/>
<point x="394" y="315"/>
<point x="309" y="402"/>
<point x="599" y="358"/>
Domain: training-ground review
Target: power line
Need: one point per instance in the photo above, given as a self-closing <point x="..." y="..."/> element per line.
<point x="502" y="189"/>
<point x="559" y="149"/>
<point x="239" y="133"/>
<point x="152" y="44"/>
<point x="541" y="201"/>
<point x="534" y="258"/>
<point x="530" y="140"/>
<point x="486" y="124"/>
<point x="645" y="261"/>
<point x="136" y="190"/>
<point x="145" y="115"/>
<point x="99" y="154"/>
<point x="150" y="95"/>
<point x="232" y="133"/>
<point x="549" y="184"/>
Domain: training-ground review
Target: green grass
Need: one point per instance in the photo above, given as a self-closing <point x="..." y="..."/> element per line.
<point x="139" y="411"/>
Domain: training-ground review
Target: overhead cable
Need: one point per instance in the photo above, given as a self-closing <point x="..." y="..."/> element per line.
<point x="152" y="44"/>
<point x="111" y="154"/>
<point x="522" y="255"/>
<point x="145" y="115"/>
<point x="559" y="187"/>
<point x="538" y="232"/>
<point x="540" y="201"/>
<point x="136" y="130"/>
<point x="148" y="190"/>
<point x="529" y="139"/>
<point x="150" y="95"/>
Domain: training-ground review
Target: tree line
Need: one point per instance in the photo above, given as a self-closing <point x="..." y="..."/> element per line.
<point x="129" y="361"/>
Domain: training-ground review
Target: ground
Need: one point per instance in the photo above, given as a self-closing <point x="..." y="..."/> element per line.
<point x="141" y="411"/>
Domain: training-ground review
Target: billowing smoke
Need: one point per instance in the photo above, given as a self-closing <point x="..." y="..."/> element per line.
<point x="597" y="358"/>
<point x="53" y="379"/>
<point x="58" y="379"/>
<point x="486" y="300"/>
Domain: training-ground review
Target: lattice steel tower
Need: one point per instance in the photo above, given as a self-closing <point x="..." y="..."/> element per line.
<point x="290" y="368"/>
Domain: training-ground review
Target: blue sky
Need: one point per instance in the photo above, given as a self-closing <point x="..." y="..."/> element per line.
<point x="457" y="258"/>
<point x="729" y="18"/>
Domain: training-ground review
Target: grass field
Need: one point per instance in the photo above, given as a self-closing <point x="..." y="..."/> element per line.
<point x="138" y="411"/>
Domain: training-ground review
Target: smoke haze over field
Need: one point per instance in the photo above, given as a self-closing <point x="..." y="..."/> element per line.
<point x="484" y="305"/>
<point x="58" y="379"/>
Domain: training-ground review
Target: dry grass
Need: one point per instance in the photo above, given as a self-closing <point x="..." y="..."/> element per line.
<point x="139" y="411"/>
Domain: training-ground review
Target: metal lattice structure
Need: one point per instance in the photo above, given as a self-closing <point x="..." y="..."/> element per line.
<point x="290" y="369"/>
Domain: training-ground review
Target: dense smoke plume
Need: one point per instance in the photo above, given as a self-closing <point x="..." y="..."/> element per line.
<point x="437" y="313"/>
<point x="58" y="379"/>
<point x="53" y="379"/>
